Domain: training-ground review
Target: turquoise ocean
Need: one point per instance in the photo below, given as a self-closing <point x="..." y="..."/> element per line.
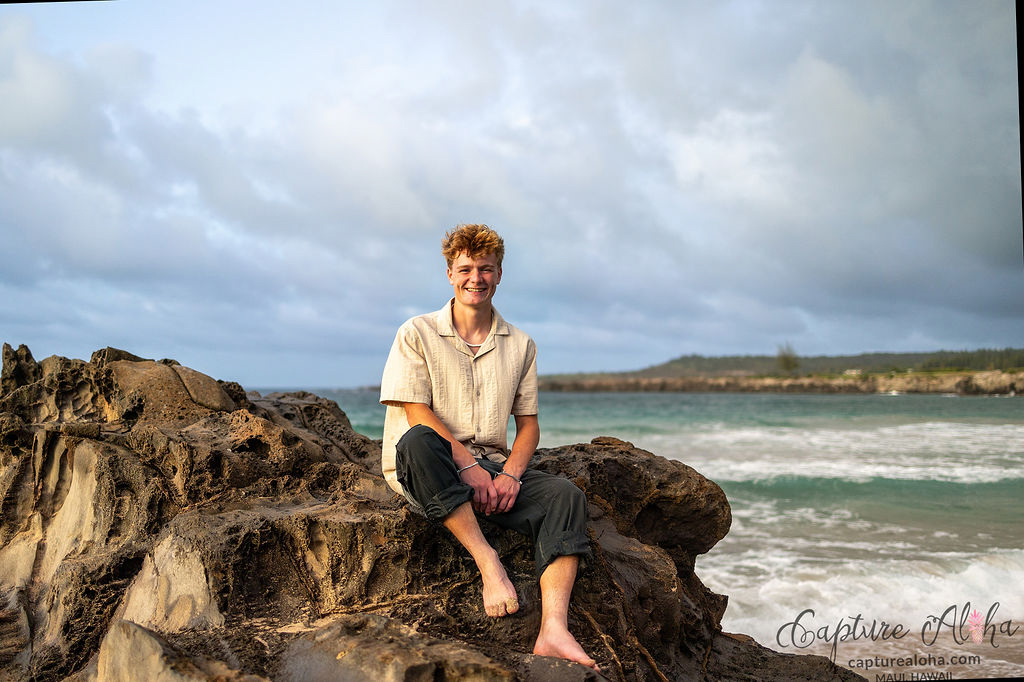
<point x="899" y="509"/>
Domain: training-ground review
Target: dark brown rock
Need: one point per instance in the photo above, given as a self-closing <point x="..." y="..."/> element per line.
<point x="659" y="501"/>
<point x="19" y="368"/>
<point x="369" y="646"/>
<point x="159" y="524"/>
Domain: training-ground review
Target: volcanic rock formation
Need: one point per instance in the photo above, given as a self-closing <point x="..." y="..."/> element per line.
<point x="160" y="525"/>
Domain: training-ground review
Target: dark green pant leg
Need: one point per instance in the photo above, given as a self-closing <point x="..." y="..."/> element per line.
<point x="427" y="472"/>
<point x="551" y="510"/>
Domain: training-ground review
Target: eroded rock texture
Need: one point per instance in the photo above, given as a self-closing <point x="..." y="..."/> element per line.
<point x="157" y="524"/>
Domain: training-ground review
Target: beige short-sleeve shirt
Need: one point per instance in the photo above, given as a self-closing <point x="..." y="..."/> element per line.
<point x="472" y="395"/>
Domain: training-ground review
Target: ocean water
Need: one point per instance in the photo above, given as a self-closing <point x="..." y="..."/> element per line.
<point x="863" y="513"/>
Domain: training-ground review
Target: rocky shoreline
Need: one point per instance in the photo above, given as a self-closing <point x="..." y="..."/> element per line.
<point x="993" y="382"/>
<point x="159" y="524"/>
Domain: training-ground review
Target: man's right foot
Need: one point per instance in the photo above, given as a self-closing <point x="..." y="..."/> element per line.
<point x="500" y="597"/>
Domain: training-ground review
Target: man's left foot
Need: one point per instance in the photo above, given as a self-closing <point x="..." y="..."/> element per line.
<point x="554" y="640"/>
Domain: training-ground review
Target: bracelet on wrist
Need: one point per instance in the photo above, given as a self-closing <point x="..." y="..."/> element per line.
<point x="505" y="473"/>
<point x="468" y="466"/>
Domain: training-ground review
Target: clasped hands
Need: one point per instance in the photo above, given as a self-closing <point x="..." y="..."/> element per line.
<point x="491" y="495"/>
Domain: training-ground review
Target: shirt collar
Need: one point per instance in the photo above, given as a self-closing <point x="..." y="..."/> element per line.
<point x="446" y="327"/>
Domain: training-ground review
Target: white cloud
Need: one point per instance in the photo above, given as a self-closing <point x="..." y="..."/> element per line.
<point x="733" y="158"/>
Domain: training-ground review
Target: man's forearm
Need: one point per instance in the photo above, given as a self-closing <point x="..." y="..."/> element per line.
<point x="525" y="444"/>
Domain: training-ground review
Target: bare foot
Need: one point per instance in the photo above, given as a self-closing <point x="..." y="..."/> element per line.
<point x="500" y="597"/>
<point x="554" y="640"/>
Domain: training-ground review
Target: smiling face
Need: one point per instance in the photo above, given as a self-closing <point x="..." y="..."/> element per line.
<point x="474" y="279"/>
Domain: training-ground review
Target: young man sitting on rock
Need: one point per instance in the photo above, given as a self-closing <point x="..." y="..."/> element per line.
<point x="451" y="381"/>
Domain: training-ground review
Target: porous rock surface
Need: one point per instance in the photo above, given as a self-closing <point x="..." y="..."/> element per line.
<point x="158" y="524"/>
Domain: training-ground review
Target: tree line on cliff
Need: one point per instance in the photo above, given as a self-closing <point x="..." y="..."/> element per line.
<point x="1006" y="359"/>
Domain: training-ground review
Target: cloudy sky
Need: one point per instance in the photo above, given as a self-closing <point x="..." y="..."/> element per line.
<point x="259" y="189"/>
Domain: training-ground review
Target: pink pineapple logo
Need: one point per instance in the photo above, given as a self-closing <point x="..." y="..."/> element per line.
<point x="976" y="625"/>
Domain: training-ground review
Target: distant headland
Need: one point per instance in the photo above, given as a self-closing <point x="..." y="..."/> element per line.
<point x="979" y="372"/>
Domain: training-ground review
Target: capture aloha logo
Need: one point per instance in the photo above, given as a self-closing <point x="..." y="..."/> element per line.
<point x="961" y="623"/>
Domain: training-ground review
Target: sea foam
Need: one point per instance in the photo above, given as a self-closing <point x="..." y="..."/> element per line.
<point x="941" y="451"/>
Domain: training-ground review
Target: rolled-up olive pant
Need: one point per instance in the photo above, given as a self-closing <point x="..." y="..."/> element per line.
<point x="552" y="511"/>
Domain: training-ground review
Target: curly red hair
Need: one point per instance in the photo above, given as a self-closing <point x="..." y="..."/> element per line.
<point x="476" y="240"/>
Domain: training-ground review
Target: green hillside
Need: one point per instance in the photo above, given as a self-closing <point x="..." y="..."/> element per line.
<point x="769" y="365"/>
